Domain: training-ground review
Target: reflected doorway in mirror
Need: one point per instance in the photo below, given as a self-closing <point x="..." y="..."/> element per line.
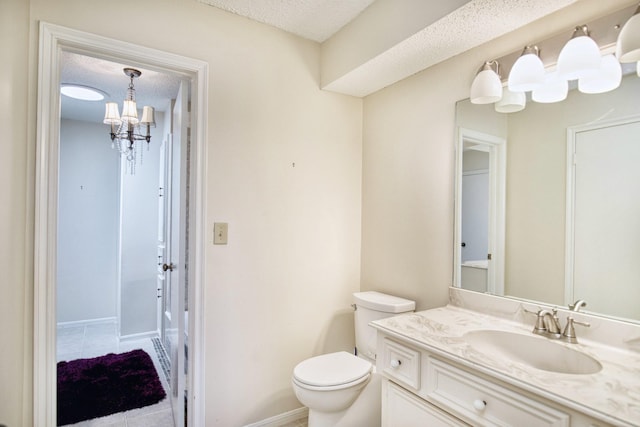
<point x="480" y="211"/>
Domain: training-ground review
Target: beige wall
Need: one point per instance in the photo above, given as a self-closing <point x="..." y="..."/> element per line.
<point x="280" y="291"/>
<point x="15" y="257"/>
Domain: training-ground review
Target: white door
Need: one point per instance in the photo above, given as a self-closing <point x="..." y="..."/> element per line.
<point x="172" y="236"/>
<point x="607" y="219"/>
<point x="475" y="216"/>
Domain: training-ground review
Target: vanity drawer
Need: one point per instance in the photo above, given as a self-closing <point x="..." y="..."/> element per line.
<point x="483" y="403"/>
<point x="401" y="363"/>
<point x="401" y="408"/>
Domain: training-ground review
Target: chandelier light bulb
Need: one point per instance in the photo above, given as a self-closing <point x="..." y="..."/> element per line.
<point x="125" y="129"/>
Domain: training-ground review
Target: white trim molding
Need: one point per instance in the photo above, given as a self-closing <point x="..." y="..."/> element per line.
<point x="53" y="40"/>
<point x="283" y="419"/>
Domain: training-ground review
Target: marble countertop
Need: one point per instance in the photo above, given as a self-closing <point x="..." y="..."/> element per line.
<point x="611" y="395"/>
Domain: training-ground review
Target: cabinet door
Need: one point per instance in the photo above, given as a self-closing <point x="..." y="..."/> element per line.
<point x="403" y="409"/>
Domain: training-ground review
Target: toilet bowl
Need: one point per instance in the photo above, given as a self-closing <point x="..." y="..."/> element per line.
<point x="330" y="384"/>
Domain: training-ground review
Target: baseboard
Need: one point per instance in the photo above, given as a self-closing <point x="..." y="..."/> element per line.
<point x="279" y="420"/>
<point x="140" y="336"/>
<point x="86" y="322"/>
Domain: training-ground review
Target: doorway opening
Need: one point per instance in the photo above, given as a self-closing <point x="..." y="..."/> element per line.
<point x="132" y="276"/>
<point x="480" y="212"/>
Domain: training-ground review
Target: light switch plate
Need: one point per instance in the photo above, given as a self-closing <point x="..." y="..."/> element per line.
<point x="220" y="233"/>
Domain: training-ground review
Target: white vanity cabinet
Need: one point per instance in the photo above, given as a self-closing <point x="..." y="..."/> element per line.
<point x="423" y="389"/>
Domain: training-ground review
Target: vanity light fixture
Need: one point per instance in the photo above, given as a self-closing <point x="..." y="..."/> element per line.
<point x="81" y="92"/>
<point x="628" y="44"/>
<point x="606" y="79"/>
<point x="580" y="56"/>
<point x="511" y="102"/>
<point x="125" y="129"/>
<point x="527" y="72"/>
<point x="487" y="87"/>
<point x="554" y="89"/>
<point x="580" y="59"/>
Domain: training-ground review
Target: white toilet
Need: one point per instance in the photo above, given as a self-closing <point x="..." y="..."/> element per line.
<point x="331" y="384"/>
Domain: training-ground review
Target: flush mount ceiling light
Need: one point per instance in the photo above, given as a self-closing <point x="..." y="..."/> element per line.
<point x="487" y="87"/>
<point x="81" y="92"/>
<point x="580" y="56"/>
<point x="125" y="129"/>
<point x="606" y="79"/>
<point x="528" y="71"/>
<point x="554" y="89"/>
<point x="628" y="44"/>
<point x="511" y="102"/>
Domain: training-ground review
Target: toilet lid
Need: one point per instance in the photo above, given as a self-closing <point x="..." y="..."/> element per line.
<point x="331" y="369"/>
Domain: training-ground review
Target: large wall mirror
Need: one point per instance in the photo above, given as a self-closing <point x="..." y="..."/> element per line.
<point x="560" y="219"/>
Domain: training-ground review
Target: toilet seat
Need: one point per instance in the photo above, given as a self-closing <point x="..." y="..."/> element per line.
<point x="332" y="371"/>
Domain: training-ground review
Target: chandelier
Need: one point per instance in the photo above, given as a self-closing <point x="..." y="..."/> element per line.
<point x="125" y="129"/>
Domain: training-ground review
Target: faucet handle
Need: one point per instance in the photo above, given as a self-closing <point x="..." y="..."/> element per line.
<point x="569" y="333"/>
<point x="532" y="312"/>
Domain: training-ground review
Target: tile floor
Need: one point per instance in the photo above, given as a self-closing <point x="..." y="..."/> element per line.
<point x="98" y="339"/>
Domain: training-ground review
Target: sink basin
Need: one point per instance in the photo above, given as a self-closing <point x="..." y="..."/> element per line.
<point x="532" y="350"/>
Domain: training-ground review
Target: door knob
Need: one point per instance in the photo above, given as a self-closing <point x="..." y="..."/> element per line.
<point x="166" y="267"/>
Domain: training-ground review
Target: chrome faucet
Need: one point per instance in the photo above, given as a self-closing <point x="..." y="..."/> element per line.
<point x="547" y="323"/>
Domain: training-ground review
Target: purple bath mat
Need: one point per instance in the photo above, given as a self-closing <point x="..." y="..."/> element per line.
<point x="92" y="388"/>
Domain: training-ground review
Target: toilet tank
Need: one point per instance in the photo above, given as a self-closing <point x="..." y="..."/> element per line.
<point x="372" y="306"/>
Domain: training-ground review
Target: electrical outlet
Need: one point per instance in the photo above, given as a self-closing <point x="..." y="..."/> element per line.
<point x="220" y="233"/>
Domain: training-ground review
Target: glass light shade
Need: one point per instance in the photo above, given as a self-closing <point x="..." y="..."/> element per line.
<point x="578" y="58"/>
<point x="527" y="73"/>
<point x="84" y="93"/>
<point x="511" y="102"/>
<point x="486" y="88"/>
<point x="129" y="112"/>
<point x="628" y="45"/>
<point x="148" y="116"/>
<point x="608" y="77"/>
<point x="554" y="89"/>
<point x="111" y="114"/>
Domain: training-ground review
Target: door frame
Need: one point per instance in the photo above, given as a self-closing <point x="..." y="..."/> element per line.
<point x="497" y="149"/>
<point x="53" y="40"/>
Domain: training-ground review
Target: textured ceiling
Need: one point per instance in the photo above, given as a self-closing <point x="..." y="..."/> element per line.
<point x="472" y="24"/>
<point x="467" y="27"/>
<point x="312" y="19"/>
